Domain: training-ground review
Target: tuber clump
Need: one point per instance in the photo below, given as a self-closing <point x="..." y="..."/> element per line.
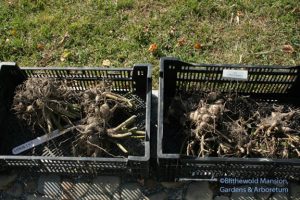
<point x="99" y="121"/>
<point x="232" y="125"/>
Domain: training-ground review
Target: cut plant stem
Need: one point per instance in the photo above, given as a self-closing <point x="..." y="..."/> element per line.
<point x="134" y="129"/>
<point x="118" y="98"/>
<point x="139" y="132"/>
<point x="295" y="149"/>
<point x="138" y="137"/>
<point x="123" y="135"/>
<point x="47" y="118"/>
<point x="211" y="139"/>
<point x="125" y="123"/>
<point x="121" y="147"/>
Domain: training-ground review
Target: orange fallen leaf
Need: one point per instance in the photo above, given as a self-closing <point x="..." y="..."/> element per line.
<point x="197" y="45"/>
<point x="181" y="41"/>
<point x="287" y="48"/>
<point x="153" y="48"/>
<point x="40" y="46"/>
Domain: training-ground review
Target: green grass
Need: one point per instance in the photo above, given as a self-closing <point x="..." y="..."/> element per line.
<point x="86" y="32"/>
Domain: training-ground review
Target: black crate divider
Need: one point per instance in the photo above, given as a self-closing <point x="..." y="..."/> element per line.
<point x="265" y="83"/>
<point x="136" y="80"/>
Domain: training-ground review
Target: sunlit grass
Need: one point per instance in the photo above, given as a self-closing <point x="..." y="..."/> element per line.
<point x="39" y="33"/>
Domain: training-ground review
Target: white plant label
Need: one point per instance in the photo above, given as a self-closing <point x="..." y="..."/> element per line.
<point x="235" y="74"/>
<point x="37" y="141"/>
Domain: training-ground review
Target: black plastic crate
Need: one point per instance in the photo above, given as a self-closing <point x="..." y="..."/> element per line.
<point x="136" y="80"/>
<point x="265" y="83"/>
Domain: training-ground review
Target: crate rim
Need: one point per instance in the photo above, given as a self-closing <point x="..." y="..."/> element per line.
<point x="101" y="68"/>
<point x="163" y="59"/>
<point x="109" y="159"/>
<point x="192" y="159"/>
<point x="80" y="68"/>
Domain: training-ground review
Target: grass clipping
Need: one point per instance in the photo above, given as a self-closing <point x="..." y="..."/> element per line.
<point x="230" y="125"/>
<point x="48" y="104"/>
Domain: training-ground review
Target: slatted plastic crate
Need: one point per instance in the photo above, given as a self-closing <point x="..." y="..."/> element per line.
<point x="136" y="80"/>
<point x="265" y="83"/>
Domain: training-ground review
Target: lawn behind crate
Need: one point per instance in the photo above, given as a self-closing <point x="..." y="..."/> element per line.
<point x="86" y="33"/>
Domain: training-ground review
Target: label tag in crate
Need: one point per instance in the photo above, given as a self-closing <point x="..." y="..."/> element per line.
<point x="233" y="74"/>
<point x="37" y="141"/>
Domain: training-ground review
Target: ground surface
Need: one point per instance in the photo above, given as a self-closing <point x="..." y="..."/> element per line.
<point x="45" y="187"/>
<point x="120" y="32"/>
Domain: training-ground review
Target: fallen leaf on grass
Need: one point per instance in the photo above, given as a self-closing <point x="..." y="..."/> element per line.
<point x="181" y="41"/>
<point x="65" y="55"/>
<point x="287" y="48"/>
<point x="40" y="47"/>
<point x="13" y="32"/>
<point x="197" y="45"/>
<point x="240" y="13"/>
<point x="172" y="31"/>
<point x="153" y="48"/>
<point x="106" y="63"/>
